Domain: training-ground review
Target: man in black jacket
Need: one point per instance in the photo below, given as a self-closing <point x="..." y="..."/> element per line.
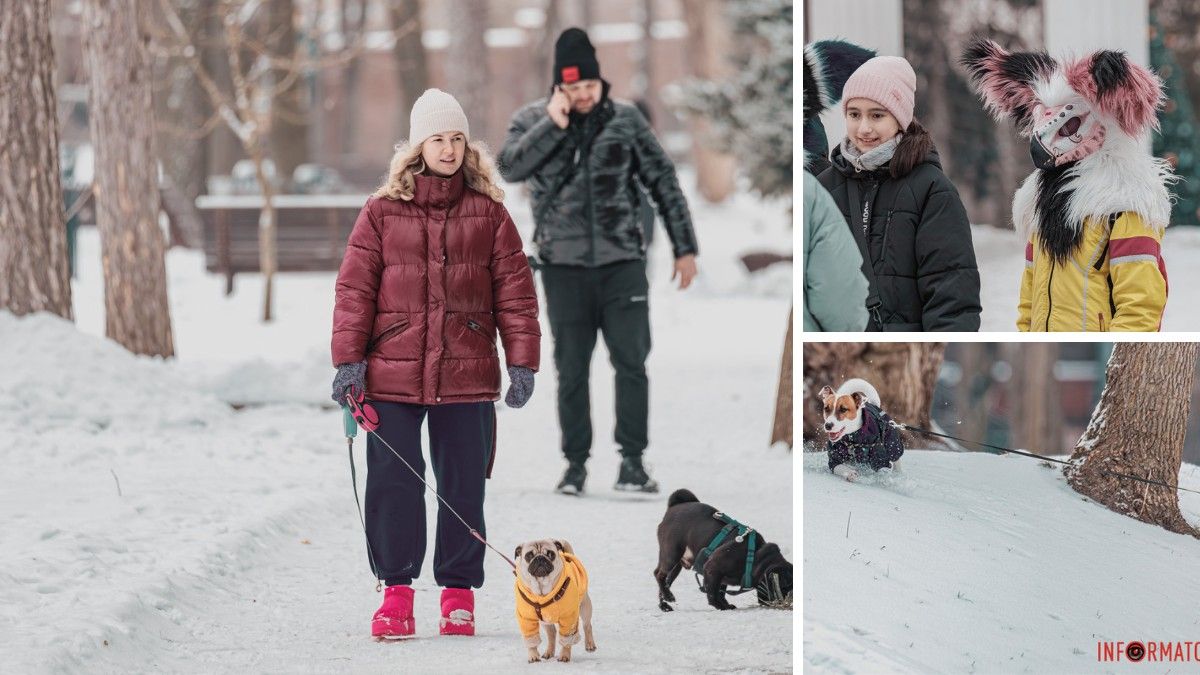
<point x="581" y="154"/>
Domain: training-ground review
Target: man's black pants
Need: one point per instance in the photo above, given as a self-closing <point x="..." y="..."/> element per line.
<point x="614" y="300"/>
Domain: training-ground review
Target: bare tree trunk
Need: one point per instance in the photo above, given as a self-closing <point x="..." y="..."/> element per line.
<point x="354" y="17"/>
<point x="267" y="238"/>
<point x="542" y="52"/>
<point x="970" y="405"/>
<point x="34" y="272"/>
<point x="467" y="73"/>
<point x="707" y="46"/>
<point x="1035" y="393"/>
<point x="781" y="429"/>
<point x="289" y="110"/>
<point x="904" y="373"/>
<point x="412" y="66"/>
<point x="642" y="85"/>
<point x="224" y="147"/>
<point x="181" y="111"/>
<point x="1138" y="429"/>
<point x="126" y="183"/>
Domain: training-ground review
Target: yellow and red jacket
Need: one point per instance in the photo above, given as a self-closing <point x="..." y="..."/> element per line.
<point x="559" y="606"/>
<point x="1116" y="280"/>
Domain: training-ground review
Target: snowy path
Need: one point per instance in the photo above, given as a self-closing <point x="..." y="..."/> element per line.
<point x="199" y="563"/>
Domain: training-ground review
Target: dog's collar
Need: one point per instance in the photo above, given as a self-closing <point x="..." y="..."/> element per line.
<point x="539" y="606"/>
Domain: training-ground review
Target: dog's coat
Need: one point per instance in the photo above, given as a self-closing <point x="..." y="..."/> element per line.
<point x="876" y="442"/>
<point x="560" y="606"/>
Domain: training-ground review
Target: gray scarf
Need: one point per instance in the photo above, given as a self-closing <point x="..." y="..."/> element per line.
<point x="873" y="158"/>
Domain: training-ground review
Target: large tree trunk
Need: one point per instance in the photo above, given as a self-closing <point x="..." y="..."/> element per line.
<point x="467" y="73"/>
<point x="904" y="373"/>
<point x="970" y="392"/>
<point x="289" y="111"/>
<point x="707" y="46"/>
<point x="34" y="272"/>
<point x="1034" y="391"/>
<point x="126" y="183"/>
<point x="182" y="110"/>
<point x="781" y="429"/>
<point x="1138" y="429"/>
<point x="412" y="66"/>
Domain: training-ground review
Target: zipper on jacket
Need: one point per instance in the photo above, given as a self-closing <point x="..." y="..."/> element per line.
<point x="1050" y="293"/>
<point x="887" y="227"/>
<point x="476" y="327"/>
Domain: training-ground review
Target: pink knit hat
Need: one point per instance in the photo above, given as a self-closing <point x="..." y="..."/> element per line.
<point x="887" y="80"/>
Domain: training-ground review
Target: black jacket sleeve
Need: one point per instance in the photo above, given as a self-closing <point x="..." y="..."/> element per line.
<point x="947" y="276"/>
<point x="657" y="173"/>
<point x="531" y="139"/>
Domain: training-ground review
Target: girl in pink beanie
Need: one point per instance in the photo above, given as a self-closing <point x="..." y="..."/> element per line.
<point x="906" y="215"/>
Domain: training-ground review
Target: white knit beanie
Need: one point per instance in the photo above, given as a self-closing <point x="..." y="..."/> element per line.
<point x="433" y="113"/>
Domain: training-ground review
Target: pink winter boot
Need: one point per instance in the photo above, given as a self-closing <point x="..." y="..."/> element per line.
<point x="394" y="618"/>
<point x="458" y="611"/>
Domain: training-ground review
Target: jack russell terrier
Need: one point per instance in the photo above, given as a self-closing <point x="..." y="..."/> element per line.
<point x="858" y="429"/>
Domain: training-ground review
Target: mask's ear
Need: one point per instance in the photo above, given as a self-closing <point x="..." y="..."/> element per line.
<point x="1119" y="89"/>
<point x="826" y="391"/>
<point x="827" y="66"/>
<point x="858" y="398"/>
<point x="517" y="553"/>
<point x="1005" y="80"/>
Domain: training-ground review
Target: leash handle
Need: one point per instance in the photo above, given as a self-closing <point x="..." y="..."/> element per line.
<point x="363" y="413"/>
<point x="348" y="424"/>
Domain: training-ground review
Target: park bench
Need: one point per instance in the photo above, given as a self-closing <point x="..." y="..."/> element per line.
<point x="311" y="232"/>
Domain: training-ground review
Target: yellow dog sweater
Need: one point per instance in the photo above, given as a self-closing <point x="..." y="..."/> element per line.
<point x="559" y="606"/>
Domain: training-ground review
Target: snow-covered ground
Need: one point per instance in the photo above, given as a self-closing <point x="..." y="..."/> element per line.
<point x="1001" y="257"/>
<point x="150" y="527"/>
<point x="977" y="563"/>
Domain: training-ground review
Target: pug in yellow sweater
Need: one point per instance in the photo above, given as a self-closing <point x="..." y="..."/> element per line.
<point x="552" y="590"/>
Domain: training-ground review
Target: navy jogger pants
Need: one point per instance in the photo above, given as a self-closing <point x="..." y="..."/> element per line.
<point x="461" y="445"/>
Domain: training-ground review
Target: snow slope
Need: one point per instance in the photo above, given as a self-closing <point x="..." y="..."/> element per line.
<point x="1001" y="258"/>
<point x="978" y="563"/>
<point x="231" y="542"/>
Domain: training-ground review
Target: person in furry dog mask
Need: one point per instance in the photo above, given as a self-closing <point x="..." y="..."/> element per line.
<point x="1094" y="210"/>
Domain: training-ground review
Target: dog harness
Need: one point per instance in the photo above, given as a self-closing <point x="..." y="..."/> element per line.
<point x="539" y="606"/>
<point x="741" y="533"/>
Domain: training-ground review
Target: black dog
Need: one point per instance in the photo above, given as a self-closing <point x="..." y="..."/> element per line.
<point x="687" y="529"/>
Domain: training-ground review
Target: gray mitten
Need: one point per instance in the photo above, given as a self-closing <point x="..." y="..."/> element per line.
<point x="350" y="376"/>
<point x="520" y="386"/>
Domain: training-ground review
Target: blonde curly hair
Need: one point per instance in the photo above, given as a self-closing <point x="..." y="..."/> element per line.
<point x="478" y="167"/>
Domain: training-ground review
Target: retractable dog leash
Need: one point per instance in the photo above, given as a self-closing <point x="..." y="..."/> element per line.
<point x="359" y="413"/>
<point x="1001" y="449"/>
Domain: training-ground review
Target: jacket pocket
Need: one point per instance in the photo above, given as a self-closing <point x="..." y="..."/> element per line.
<point x="388" y="333"/>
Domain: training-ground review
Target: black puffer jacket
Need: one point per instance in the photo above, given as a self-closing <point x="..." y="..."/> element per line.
<point x="919" y="244"/>
<point x="585" y="201"/>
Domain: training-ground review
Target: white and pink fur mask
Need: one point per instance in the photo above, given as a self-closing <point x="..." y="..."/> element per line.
<point x="1086" y="119"/>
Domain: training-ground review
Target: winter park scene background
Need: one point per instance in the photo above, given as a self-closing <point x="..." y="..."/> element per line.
<point x="986" y="160"/>
<point x="966" y="558"/>
<point x="176" y="496"/>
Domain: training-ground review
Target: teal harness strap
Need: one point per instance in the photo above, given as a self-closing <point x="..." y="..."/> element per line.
<point x="743" y="532"/>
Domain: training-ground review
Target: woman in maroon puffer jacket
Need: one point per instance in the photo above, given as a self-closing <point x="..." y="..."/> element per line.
<point x="433" y="268"/>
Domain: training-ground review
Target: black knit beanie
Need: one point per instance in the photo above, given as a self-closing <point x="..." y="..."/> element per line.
<point x="574" y="58"/>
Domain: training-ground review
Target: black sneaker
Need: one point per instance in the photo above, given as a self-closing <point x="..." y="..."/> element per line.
<point x="633" y="477"/>
<point x="572" y="480"/>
